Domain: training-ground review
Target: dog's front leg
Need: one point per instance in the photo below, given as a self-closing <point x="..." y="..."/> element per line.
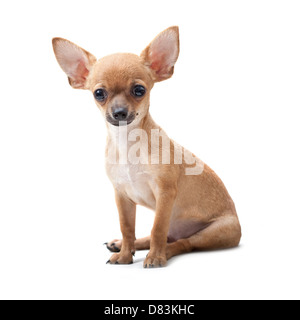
<point x="127" y="214"/>
<point x="164" y="205"/>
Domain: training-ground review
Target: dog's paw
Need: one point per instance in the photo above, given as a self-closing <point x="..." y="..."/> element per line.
<point x="153" y="261"/>
<point x="114" y="246"/>
<point x="119" y="258"/>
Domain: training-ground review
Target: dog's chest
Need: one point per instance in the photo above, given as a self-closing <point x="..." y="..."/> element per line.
<point x="134" y="181"/>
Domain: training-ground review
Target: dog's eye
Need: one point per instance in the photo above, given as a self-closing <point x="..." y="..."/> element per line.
<point x="100" y="94"/>
<point x="138" y="91"/>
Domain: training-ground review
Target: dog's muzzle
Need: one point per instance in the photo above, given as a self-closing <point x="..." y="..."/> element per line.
<point x="120" y="117"/>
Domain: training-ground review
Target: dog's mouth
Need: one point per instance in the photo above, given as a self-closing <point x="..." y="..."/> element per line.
<point x="119" y="123"/>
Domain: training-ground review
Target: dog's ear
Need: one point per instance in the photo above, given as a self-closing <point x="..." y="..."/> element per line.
<point x="162" y="53"/>
<point x="75" y="61"/>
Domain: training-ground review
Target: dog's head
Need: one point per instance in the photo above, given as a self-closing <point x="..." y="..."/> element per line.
<point x="121" y="83"/>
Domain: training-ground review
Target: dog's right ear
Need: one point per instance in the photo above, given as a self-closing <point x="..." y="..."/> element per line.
<point x="162" y="53"/>
<point x="75" y="61"/>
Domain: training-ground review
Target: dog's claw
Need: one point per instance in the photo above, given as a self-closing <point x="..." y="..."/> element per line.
<point x="155" y="262"/>
<point x="112" y="247"/>
<point x="108" y="262"/>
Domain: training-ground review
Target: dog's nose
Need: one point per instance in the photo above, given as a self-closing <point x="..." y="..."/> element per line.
<point x="120" y="114"/>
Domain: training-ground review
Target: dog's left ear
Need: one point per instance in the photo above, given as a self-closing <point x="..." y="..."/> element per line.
<point x="75" y="61"/>
<point x="162" y="53"/>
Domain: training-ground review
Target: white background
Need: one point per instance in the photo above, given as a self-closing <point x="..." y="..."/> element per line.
<point x="234" y="101"/>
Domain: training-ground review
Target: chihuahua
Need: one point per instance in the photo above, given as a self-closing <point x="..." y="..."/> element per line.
<point x="193" y="210"/>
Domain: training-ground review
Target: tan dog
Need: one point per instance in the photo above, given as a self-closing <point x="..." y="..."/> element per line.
<point x="193" y="210"/>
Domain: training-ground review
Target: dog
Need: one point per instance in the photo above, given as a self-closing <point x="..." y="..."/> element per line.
<point x="193" y="209"/>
